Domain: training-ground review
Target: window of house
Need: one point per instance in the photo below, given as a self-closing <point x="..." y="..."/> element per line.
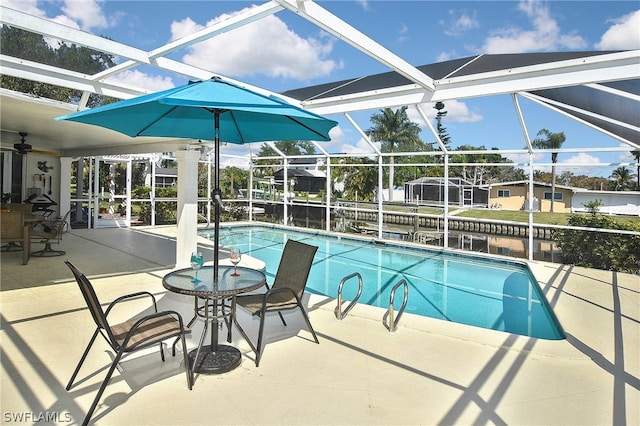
<point x="504" y="193"/>
<point x="558" y="196"/>
<point x="504" y="251"/>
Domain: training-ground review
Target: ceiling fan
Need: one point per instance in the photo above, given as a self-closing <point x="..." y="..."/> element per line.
<point x="23" y="147"/>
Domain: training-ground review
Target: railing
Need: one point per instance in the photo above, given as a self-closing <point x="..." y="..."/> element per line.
<point x="340" y="314"/>
<point x="388" y="320"/>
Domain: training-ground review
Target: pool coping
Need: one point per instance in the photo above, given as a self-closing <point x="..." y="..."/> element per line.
<point x="456" y="330"/>
<point x="463" y="332"/>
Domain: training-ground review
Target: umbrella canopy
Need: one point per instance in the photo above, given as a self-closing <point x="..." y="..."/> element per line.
<point x="211" y="110"/>
<point x="187" y="111"/>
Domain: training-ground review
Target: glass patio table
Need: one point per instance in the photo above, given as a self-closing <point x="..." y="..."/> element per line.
<point x="214" y="358"/>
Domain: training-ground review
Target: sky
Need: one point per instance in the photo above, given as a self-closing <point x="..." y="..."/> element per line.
<point x="283" y="52"/>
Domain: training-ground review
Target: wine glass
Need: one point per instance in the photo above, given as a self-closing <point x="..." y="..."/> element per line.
<point x="234" y="257"/>
<point x="196" y="263"/>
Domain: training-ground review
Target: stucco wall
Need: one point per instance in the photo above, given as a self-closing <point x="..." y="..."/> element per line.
<point x="519" y="196"/>
<point x="626" y="203"/>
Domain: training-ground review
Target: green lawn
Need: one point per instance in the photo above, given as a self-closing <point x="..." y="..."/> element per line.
<point x="539" y="217"/>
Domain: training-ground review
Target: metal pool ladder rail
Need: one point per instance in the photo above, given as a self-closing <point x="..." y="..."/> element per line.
<point x="388" y="320"/>
<point x="340" y="314"/>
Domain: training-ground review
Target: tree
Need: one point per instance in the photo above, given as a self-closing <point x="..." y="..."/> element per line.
<point x="551" y="141"/>
<point x="358" y="180"/>
<point x="442" y="131"/>
<point x="480" y="173"/>
<point x="233" y="178"/>
<point x="33" y="47"/>
<point x="288" y="148"/>
<point x="394" y="129"/>
<point x="622" y="179"/>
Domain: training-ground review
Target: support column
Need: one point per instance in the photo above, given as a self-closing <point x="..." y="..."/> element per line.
<point x="187" y="238"/>
<point x="328" y="195"/>
<point x="285" y="193"/>
<point x="65" y="187"/>
<point x="446" y="201"/>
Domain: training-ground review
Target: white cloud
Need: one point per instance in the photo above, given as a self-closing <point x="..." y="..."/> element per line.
<point x="457" y="112"/>
<point x="26" y="6"/>
<point x="577" y="164"/>
<point x="88" y="13"/>
<point x="343" y="144"/>
<point x="135" y="78"/>
<point x="31" y="7"/>
<point x="364" y="4"/>
<point x="459" y="24"/>
<point x="402" y="33"/>
<point x="584" y="160"/>
<point x="520" y="159"/>
<point x="66" y="21"/>
<point x="581" y="158"/>
<point x="336" y="134"/>
<point x="183" y="28"/>
<point x="266" y="46"/>
<point x="544" y="36"/>
<point x="626" y="157"/>
<point x="445" y="56"/>
<point x="338" y="142"/>
<point x="623" y="34"/>
<point x="55" y="43"/>
<point x="241" y="163"/>
<point x="360" y="147"/>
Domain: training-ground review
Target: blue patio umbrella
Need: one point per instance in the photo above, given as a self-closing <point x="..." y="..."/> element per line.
<point x="212" y="109"/>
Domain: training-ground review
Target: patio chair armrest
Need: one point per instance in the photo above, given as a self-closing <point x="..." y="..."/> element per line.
<point x="41" y="234"/>
<point x="279" y="290"/>
<point x="173" y="314"/>
<point x="50" y="226"/>
<point x="273" y="291"/>
<point x="131" y="296"/>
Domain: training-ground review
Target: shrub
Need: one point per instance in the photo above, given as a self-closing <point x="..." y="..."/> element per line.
<point x="600" y="250"/>
<point x="165" y="210"/>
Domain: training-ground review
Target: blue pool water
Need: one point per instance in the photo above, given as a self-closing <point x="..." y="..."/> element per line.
<point x="473" y="290"/>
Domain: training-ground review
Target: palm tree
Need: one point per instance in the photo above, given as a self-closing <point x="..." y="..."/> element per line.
<point x="554" y="141"/>
<point x="622" y="179"/>
<point x="360" y="181"/>
<point x="393" y="128"/>
<point x="636" y="154"/>
<point x="234" y="178"/>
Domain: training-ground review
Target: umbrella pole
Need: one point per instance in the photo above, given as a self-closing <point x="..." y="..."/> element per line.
<point x="217" y="196"/>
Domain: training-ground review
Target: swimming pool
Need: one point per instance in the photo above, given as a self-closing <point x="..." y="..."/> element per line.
<point x="483" y="292"/>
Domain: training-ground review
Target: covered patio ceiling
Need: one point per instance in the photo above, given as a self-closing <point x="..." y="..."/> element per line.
<point x="599" y="89"/>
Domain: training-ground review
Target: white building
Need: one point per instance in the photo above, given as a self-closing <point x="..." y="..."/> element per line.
<point x="613" y="202"/>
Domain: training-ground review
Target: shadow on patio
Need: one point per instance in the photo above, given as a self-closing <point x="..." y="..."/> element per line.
<point x="428" y="372"/>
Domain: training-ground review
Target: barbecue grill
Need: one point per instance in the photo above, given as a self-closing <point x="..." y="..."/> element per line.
<point x="41" y="203"/>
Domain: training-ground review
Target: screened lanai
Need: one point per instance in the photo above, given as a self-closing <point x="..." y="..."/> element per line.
<point x="599" y="89"/>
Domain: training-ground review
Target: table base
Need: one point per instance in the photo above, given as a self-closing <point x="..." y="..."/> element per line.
<point x="224" y="358"/>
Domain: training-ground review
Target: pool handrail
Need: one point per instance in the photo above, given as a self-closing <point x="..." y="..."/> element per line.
<point x="388" y="319"/>
<point x="340" y="314"/>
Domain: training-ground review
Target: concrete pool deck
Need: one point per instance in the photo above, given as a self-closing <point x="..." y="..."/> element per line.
<point x="428" y="372"/>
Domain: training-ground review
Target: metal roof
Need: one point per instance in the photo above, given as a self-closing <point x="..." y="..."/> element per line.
<point x="610" y="105"/>
<point x="600" y="89"/>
